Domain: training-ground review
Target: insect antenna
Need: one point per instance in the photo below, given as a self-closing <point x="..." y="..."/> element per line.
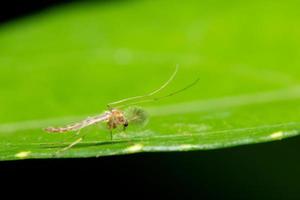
<point x="110" y="105"/>
<point x="168" y="95"/>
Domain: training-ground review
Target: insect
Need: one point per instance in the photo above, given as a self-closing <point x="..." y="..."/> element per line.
<point x="115" y="116"/>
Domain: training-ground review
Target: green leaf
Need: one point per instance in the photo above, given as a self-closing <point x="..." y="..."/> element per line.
<point x="68" y="63"/>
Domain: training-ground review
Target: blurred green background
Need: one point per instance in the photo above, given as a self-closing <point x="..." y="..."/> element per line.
<point x="71" y="60"/>
<point x="77" y="58"/>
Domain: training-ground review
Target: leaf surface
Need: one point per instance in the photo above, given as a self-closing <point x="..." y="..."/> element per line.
<point x="68" y="63"/>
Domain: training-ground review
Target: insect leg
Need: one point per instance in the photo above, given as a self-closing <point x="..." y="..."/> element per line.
<point x="70" y="145"/>
<point x="111" y="135"/>
<point x="73" y="143"/>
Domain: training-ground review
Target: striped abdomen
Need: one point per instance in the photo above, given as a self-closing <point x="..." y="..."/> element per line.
<point x="77" y="126"/>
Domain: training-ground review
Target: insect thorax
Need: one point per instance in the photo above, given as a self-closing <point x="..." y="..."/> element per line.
<point x="116" y="119"/>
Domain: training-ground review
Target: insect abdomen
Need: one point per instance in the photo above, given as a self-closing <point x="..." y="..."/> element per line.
<point x="63" y="129"/>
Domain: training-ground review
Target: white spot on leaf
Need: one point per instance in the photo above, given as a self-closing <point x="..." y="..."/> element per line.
<point x="23" y="154"/>
<point x="277" y="135"/>
<point x="134" y="148"/>
<point x="186" y="147"/>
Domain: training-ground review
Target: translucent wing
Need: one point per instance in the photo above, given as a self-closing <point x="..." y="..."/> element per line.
<point x="136" y="115"/>
<point x="77" y="126"/>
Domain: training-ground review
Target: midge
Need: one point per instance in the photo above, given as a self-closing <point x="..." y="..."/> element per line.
<point x="115" y="116"/>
